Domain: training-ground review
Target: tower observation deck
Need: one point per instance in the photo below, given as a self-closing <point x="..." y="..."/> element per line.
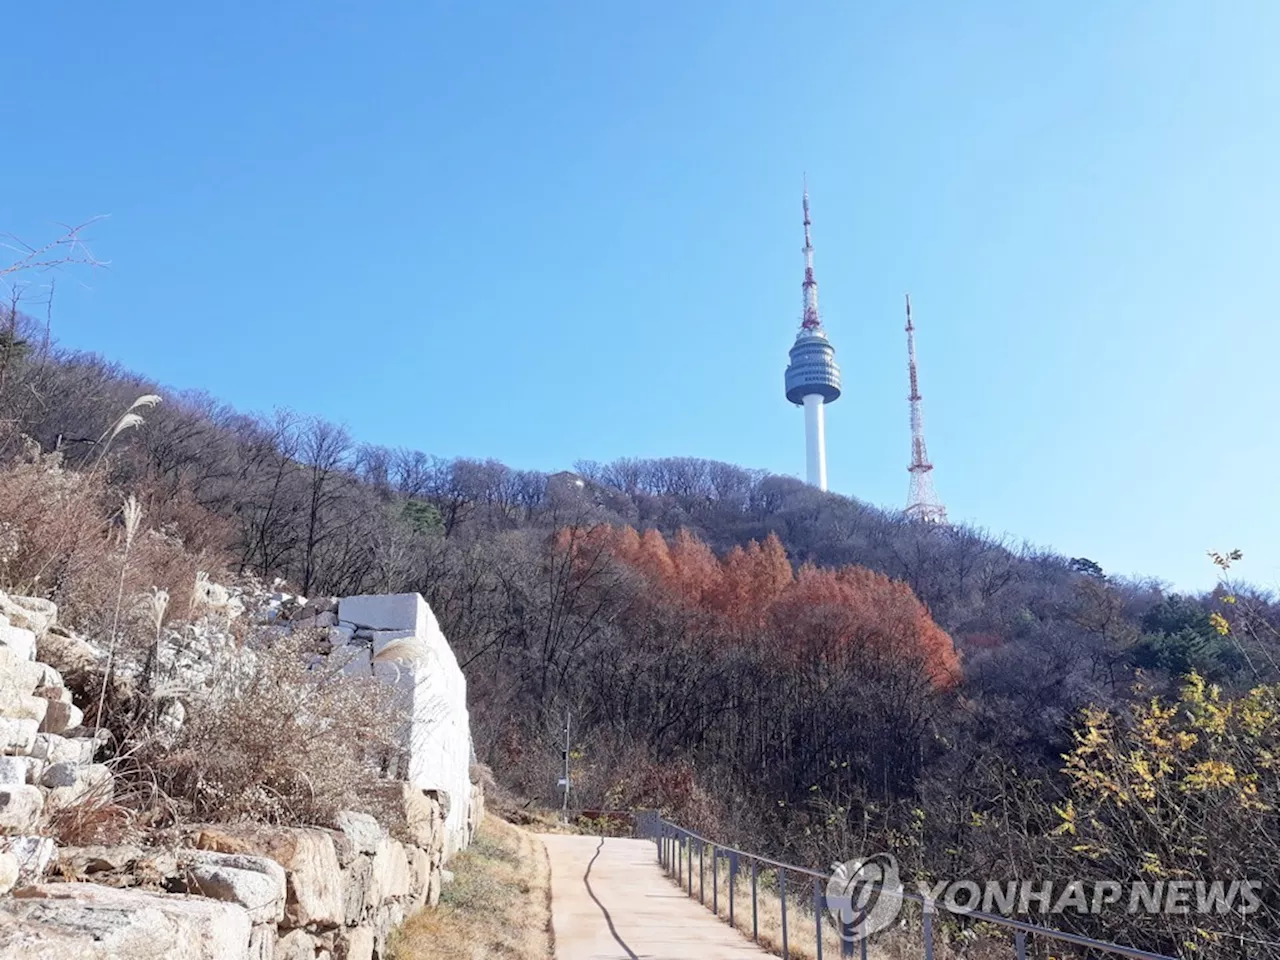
<point x="812" y="377"/>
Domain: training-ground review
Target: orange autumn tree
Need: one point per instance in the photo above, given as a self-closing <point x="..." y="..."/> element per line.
<point x="834" y="615"/>
<point x="829" y="614"/>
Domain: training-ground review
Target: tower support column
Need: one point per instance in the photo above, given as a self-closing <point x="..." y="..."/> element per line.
<point x="815" y="441"/>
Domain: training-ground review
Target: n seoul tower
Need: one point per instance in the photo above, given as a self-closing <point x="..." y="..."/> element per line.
<point x="812" y="378"/>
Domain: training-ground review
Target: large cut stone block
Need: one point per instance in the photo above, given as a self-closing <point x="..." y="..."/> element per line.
<point x="87" y="921"/>
<point x="394" y="611"/>
<point x="310" y="861"/>
<point x="256" y="883"/>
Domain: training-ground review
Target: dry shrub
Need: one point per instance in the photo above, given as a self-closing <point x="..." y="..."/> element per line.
<point x="52" y="525"/>
<point x="284" y="738"/>
<point x="97" y="817"/>
<point x="61" y="538"/>
<point x="639" y="782"/>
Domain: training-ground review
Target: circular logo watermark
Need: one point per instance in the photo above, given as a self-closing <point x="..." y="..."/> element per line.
<point x="864" y="896"/>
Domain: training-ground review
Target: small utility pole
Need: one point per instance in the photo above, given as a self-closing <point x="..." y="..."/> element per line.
<point x="564" y="780"/>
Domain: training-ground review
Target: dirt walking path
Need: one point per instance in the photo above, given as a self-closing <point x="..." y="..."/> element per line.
<point x="610" y="901"/>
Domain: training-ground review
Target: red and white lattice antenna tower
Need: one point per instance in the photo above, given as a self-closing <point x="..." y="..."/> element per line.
<point x="922" y="501"/>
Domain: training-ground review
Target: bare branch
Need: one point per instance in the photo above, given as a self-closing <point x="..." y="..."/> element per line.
<point x="68" y="248"/>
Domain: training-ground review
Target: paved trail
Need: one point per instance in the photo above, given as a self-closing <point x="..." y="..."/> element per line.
<point x="610" y="901"/>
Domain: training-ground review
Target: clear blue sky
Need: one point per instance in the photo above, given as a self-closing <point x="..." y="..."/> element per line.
<point x="546" y="232"/>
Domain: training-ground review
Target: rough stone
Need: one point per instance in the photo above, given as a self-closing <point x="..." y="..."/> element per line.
<point x="357" y="888"/>
<point x="20" y="640"/>
<point x="296" y="945"/>
<point x="61" y="774"/>
<point x="53" y="691"/>
<point x="256" y="883"/>
<point x="20" y="807"/>
<point x="320" y="605"/>
<point x="419" y="875"/>
<point x="34" y="854"/>
<point x="13" y="770"/>
<point x="391" y="879"/>
<point x="27" y="675"/>
<point x="362" y="830"/>
<point x="30" y="613"/>
<point x="433" y="889"/>
<point x="86" y="861"/>
<point x="87" y="921"/>
<point x="69" y="651"/>
<point x="8" y="871"/>
<point x="340" y="636"/>
<point x="121" y="866"/>
<point x="93" y="780"/>
<point x="310" y="861"/>
<point x="60" y="717"/>
<point x="68" y="773"/>
<point x="52" y="748"/>
<point x="423" y="817"/>
<point x="262" y="942"/>
<point x="356" y="943"/>
<point x="28" y="708"/>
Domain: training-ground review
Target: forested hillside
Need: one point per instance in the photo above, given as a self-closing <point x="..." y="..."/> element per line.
<point x="795" y="669"/>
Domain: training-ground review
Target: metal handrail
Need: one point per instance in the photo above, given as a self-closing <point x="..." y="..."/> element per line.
<point x="666" y="834"/>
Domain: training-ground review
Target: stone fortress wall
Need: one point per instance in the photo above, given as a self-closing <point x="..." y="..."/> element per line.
<point x="240" y="891"/>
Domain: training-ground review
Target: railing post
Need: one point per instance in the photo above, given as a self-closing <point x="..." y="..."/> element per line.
<point x="755" y="919"/>
<point x="782" y="893"/>
<point x="688" y="859"/>
<point x="1020" y="944"/>
<point x="928" y="930"/>
<point x="733" y="875"/>
<point x="715" y="880"/>
<point x="702" y="875"/>
<point x="817" y="913"/>
<point x="846" y="935"/>
<point x="689" y="841"/>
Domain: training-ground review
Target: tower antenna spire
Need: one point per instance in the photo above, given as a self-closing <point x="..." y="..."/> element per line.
<point x="922" y="501"/>
<point x="810" y="319"/>
<point x="812" y="378"/>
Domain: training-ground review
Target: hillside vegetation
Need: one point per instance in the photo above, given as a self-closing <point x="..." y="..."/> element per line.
<point x="794" y="670"/>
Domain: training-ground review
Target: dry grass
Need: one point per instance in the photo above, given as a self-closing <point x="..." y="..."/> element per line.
<point x="498" y="905"/>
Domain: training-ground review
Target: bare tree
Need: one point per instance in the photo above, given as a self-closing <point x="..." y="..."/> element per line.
<point x="325" y="453"/>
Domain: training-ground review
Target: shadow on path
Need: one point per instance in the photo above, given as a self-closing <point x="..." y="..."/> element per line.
<point x="586" y="881"/>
